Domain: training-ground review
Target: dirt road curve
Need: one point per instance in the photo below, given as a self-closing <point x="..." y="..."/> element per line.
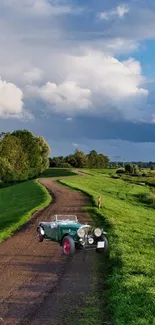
<point x="37" y="286"/>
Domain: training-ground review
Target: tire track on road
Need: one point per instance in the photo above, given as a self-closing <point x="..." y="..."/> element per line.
<point x="35" y="277"/>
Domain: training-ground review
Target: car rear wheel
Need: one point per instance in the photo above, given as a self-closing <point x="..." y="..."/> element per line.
<point x="68" y="245"/>
<point x="39" y="235"/>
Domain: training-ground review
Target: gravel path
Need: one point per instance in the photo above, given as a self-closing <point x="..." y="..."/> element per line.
<point x="37" y="284"/>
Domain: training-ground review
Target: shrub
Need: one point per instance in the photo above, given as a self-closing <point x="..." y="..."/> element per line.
<point x="148" y="198"/>
<point x="145" y="174"/>
<point x="120" y="171"/>
<point x="64" y="165"/>
<point x="115" y="176"/>
<point x="129" y="168"/>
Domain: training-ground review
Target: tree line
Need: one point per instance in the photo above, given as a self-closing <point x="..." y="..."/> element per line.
<point x="140" y="164"/>
<point x="80" y="160"/>
<point x="135" y="170"/>
<point x="23" y="156"/>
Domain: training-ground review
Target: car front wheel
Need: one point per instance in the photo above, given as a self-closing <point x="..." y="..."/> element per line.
<point x="68" y="245"/>
<point x="39" y="235"/>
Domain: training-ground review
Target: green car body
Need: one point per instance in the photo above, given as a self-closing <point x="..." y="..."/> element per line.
<point x="65" y="231"/>
<point x="59" y="230"/>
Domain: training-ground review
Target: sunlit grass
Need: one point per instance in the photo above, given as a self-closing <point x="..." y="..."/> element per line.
<point x="17" y="204"/>
<point x="131" y="232"/>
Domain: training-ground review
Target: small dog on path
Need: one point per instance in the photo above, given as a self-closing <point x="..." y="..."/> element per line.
<point x="99" y="201"/>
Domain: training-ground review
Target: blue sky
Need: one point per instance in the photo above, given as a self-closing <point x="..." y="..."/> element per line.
<point x="80" y="73"/>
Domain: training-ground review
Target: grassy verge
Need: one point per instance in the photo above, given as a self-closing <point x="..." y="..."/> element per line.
<point x="131" y="263"/>
<point x="58" y="172"/>
<point x="17" y="204"/>
<point x="19" y="201"/>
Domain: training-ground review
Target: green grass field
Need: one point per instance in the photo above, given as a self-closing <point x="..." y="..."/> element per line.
<point x="131" y="232"/>
<point x="127" y="294"/>
<point x="19" y="201"/>
<point x="17" y="204"/>
<point x="58" y="172"/>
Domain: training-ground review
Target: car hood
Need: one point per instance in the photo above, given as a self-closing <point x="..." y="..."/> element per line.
<point x="71" y="225"/>
<point x="63" y="225"/>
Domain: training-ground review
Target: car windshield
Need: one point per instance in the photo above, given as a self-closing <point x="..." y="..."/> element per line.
<point x="64" y="217"/>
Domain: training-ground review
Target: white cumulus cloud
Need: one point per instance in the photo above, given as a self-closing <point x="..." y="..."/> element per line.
<point x="64" y="97"/>
<point x="11" y="99"/>
<point x="72" y="70"/>
<point x="122" y="10"/>
<point x="76" y="145"/>
<point x="119" y="12"/>
<point x="11" y="102"/>
<point x="95" y="83"/>
<point x="70" y="119"/>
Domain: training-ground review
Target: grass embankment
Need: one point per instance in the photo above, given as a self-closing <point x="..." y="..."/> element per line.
<point x="17" y="204"/>
<point x="19" y="201"/>
<point x="58" y="172"/>
<point x="131" y="262"/>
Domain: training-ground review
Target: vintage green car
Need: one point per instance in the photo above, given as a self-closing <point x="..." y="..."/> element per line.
<point x="71" y="235"/>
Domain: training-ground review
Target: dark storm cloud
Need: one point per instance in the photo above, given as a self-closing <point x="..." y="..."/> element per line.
<point x="104" y="129"/>
<point x="57" y="128"/>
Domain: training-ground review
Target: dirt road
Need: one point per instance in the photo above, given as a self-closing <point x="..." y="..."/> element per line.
<point x="37" y="285"/>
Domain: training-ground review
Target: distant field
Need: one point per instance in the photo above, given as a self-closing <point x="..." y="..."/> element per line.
<point x="56" y="172"/>
<point x="99" y="171"/>
<point x="131" y="232"/>
<point x="149" y="180"/>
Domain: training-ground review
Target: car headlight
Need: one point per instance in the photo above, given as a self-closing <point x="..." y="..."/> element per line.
<point x="90" y="240"/>
<point x="81" y="232"/>
<point x="98" y="232"/>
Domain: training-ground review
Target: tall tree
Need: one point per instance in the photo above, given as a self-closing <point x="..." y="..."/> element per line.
<point x="80" y="158"/>
<point x="22" y="155"/>
<point x="71" y="160"/>
<point x="33" y="146"/>
<point x="44" y="153"/>
<point x="92" y="159"/>
<point x="13" y="160"/>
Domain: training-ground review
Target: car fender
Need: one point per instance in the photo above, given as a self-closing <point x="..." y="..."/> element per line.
<point x="70" y="233"/>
